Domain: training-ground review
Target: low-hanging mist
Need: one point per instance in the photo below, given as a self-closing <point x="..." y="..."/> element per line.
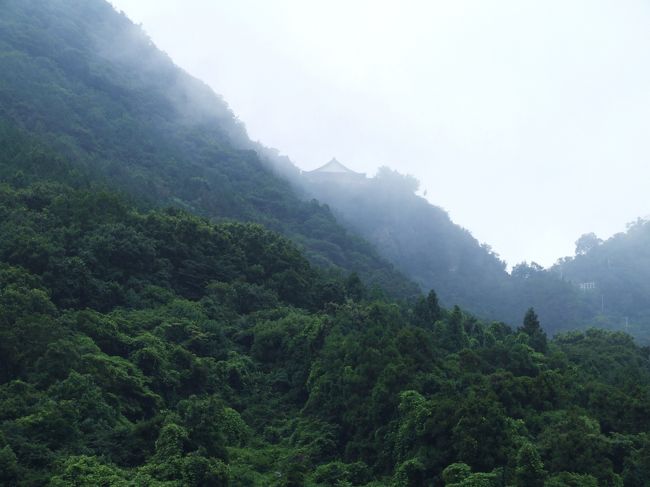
<point x="535" y="109"/>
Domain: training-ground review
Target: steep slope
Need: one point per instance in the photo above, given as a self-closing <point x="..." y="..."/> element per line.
<point x="613" y="278"/>
<point x="92" y="87"/>
<point x="428" y="247"/>
<point x="421" y="240"/>
<point x="81" y="83"/>
<point x="160" y="349"/>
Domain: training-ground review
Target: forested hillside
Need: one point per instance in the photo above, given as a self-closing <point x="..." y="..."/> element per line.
<point x="148" y="339"/>
<point x="84" y="84"/>
<point x="427" y="246"/>
<point x="615" y="278"/>
<point x="91" y="86"/>
<point x="159" y="349"/>
<point x="605" y="283"/>
<point x="421" y="240"/>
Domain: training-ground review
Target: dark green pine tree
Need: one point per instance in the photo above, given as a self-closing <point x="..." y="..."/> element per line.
<point x="354" y="288"/>
<point x="537" y="336"/>
<point x="456" y="338"/>
<point x="427" y="310"/>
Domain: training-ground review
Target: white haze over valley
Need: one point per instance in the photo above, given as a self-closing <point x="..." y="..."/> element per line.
<point x="529" y="121"/>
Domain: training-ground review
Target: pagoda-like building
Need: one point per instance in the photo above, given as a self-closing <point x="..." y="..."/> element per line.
<point x="334" y="171"/>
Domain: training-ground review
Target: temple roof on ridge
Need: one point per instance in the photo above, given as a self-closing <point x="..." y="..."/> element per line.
<point x="333" y="166"/>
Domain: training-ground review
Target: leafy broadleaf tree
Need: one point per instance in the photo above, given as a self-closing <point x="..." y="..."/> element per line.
<point x="530" y="469"/>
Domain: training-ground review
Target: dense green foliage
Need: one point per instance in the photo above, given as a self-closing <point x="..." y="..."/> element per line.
<point x="157" y="348"/>
<point x="142" y="346"/>
<point x="91" y="86"/>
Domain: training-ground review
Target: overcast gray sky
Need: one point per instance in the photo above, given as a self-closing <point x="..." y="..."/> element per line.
<point x="527" y="120"/>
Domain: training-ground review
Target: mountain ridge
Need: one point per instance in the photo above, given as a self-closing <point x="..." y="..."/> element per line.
<point x="142" y="344"/>
<point x="134" y="118"/>
<point x="131" y="117"/>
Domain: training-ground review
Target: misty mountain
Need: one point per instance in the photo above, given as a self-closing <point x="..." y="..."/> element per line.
<point x="91" y="87"/>
<point x="613" y="278"/>
<point x="147" y="339"/>
<point x="426" y="245"/>
<point x="604" y="284"/>
<point x="158" y="348"/>
<point x="419" y="238"/>
<point x="80" y="82"/>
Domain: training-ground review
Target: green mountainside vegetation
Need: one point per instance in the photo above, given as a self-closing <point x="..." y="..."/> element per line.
<point x="615" y="275"/>
<point x="155" y="348"/>
<point x="172" y="314"/>
<point x="91" y="86"/>
<point x="605" y="283"/>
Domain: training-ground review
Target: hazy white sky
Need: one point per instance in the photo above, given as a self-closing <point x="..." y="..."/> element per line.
<point x="529" y="121"/>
